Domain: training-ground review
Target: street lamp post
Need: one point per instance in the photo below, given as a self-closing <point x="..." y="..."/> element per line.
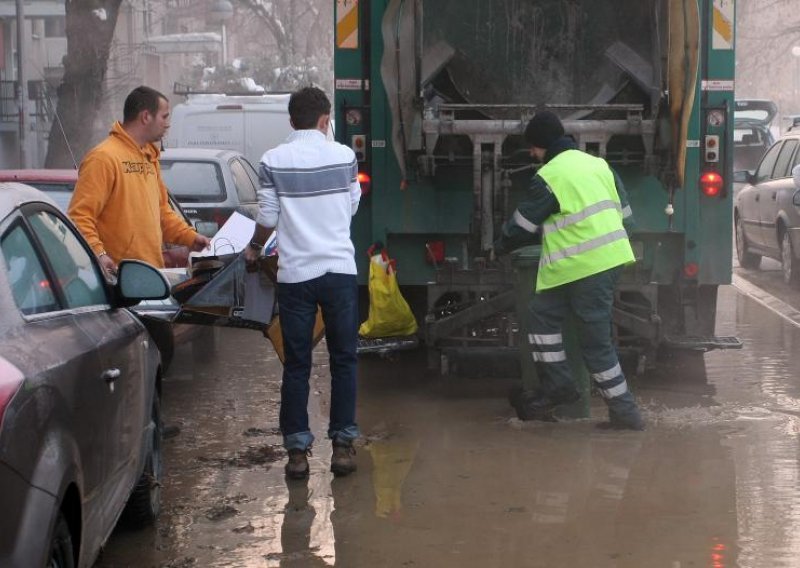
<point x="221" y="12"/>
<point x="22" y="86"/>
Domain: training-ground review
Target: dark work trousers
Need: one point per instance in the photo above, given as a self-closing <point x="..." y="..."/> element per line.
<point x="337" y="296"/>
<point x="590" y="300"/>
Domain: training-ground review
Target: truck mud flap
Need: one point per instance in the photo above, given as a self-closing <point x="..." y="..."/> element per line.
<point x="698" y="343"/>
<point x="386" y="345"/>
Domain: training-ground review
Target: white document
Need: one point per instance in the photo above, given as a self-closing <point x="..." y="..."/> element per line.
<point x="233" y="236"/>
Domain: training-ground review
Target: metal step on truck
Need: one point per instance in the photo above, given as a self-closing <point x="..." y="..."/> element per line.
<point x="434" y="96"/>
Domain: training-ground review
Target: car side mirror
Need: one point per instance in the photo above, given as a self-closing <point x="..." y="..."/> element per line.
<point x="137" y="281"/>
<point x="742" y="176"/>
<point x="206" y="228"/>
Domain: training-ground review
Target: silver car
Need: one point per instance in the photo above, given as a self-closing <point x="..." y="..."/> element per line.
<point x="767" y="210"/>
<point x="80" y="424"/>
<point x="210" y="185"/>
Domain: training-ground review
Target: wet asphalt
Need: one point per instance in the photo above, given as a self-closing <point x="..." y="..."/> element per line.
<point x="449" y="478"/>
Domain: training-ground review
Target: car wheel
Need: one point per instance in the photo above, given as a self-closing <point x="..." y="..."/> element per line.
<point x="790" y="264"/>
<point x="746" y="258"/>
<point x="144" y="504"/>
<point x="61" y="552"/>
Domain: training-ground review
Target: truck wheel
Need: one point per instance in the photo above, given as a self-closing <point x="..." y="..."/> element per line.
<point x="144" y="504"/>
<point x="746" y="258"/>
<point x="61" y="553"/>
<point x="790" y="264"/>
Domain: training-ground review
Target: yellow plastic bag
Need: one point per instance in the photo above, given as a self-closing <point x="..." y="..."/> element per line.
<point x="389" y="314"/>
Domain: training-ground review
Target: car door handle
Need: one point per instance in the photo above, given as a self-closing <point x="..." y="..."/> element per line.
<point x="758" y="197"/>
<point x="773" y="196"/>
<point x="110" y="375"/>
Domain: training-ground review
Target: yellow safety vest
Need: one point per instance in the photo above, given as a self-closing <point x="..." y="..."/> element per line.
<point x="586" y="237"/>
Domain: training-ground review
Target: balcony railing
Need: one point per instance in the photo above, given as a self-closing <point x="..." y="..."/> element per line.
<point x="38" y="91"/>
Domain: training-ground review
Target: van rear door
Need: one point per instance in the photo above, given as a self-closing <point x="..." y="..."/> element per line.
<point x="267" y="126"/>
<point x="218" y="126"/>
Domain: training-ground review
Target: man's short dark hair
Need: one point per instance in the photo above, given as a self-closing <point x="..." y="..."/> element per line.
<point x="139" y="99"/>
<point x="306" y="106"/>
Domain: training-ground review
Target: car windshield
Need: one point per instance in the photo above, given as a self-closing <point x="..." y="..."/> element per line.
<point x="749" y="137"/>
<point x="749" y="145"/>
<point x="193" y="181"/>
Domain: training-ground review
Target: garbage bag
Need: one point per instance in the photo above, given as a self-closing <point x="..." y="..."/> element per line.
<point x="389" y="314"/>
<point x="230" y="297"/>
<point x="273" y="333"/>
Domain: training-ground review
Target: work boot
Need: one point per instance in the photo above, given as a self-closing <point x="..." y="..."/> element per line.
<point x="343" y="461"/>
<point x="535" y="405"/>
<point x="297" y="466"/>
<point x="623" y="414"/>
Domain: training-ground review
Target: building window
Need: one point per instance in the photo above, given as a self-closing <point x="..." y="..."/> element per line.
<point x="55" y="26"/>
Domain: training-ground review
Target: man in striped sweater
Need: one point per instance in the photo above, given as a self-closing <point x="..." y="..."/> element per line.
<point x="309" y="193"/>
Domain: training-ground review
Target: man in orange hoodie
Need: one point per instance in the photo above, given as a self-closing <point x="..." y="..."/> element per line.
<point x="120" y="203"/>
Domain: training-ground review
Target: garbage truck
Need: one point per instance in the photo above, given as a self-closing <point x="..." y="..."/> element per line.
<point x="434" y="95"/>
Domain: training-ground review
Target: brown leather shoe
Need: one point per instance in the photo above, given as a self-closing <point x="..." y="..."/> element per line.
<point x="343" y="461"/>
<point x="297" y="466"/>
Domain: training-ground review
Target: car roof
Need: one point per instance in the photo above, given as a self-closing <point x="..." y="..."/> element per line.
<point x="14" y="194"/>
<point x="199" y="154"/>
<point x="39" y="175"/>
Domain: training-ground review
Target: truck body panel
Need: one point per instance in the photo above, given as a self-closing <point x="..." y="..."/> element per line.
<point x="437" y="95"/>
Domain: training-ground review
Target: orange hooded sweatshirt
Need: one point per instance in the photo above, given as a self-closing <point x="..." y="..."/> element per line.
<point x="120" y="203"/>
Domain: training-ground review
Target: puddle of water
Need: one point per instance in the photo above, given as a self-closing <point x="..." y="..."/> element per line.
<point x="448" y="478"/>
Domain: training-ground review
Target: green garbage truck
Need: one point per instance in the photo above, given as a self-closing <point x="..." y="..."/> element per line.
<point x="434" y="95"/>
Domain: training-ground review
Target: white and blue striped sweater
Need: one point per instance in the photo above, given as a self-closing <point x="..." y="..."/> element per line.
<point x="309" y="193"/>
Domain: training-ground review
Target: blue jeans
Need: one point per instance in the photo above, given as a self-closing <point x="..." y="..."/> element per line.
<point x="337" y="296"/>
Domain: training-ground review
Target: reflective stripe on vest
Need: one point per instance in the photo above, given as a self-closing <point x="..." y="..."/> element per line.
<point x="563" y="222"/>
<point x="549" y="258"/>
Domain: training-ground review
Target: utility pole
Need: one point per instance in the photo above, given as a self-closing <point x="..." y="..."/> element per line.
<point x="22" y="87"/>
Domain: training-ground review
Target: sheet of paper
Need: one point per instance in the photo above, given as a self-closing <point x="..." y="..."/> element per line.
<point x="234" y="235"/>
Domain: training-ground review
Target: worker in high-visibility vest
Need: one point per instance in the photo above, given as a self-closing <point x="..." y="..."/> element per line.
<point x="577" y="204"/>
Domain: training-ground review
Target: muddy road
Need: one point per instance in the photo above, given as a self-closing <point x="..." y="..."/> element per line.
<point x="448" y="478"/>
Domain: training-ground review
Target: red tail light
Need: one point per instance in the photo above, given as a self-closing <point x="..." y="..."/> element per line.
<point x="10" y="380"/>
<point x="434" y="252"/>
<point x="365" y="181"/>
<point x="711" y="184"/>
<point x="691" y="270"/>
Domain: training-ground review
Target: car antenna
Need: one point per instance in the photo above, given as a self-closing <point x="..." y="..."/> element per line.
<point x="58" y="120"/>
<point x="64" y="134"/>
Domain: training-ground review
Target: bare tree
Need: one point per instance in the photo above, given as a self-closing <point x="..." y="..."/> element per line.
<point x="767" y="30"/>
<point x="301" y="29"/>
<point x="273" y="16"/>
<point x="90" y="28"/>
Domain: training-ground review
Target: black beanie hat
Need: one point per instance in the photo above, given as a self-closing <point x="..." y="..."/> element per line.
<point x="544" y="129"/>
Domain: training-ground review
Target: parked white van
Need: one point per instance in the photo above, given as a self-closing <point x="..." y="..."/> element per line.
<point x="250" y="124"/>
